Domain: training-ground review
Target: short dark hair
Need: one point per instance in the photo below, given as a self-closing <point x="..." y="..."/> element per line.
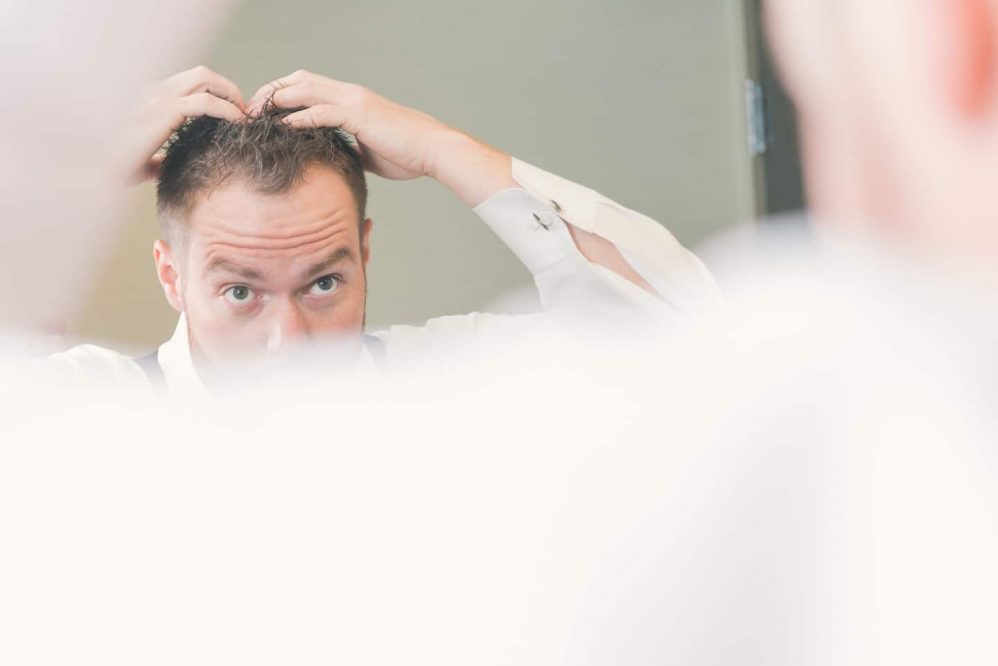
<point x="265" y="151"/>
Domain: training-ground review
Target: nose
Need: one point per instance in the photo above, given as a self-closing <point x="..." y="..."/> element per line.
<point x="288" y="327"/>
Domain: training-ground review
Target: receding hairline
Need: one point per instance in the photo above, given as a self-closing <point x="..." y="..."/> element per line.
<point x="265" y="153"/>
<point x="176" y="224"/>
<point x="236" y="179"/>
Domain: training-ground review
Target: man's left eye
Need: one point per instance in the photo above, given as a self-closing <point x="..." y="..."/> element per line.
<point x="324" y="285"/>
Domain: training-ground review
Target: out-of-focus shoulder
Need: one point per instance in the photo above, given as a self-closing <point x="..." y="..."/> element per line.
<point x="94" y="363"/>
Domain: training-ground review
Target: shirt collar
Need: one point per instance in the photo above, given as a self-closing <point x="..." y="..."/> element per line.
<point x="182" y="380"/>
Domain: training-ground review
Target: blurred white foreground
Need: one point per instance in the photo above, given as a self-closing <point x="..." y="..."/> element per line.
<point x="807" y="479"/>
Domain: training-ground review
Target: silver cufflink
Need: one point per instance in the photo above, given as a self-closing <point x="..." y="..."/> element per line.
<point x="540" y="223"/>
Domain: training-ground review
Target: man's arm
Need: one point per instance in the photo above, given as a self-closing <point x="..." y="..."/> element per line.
<point x="401" y="143"/>
<point x="476" y="171"/>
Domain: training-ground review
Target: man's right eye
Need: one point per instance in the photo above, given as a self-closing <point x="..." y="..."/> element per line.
<point x="238" y="294"/>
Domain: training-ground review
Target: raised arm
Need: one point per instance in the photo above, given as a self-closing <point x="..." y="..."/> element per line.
<point x="516" y="199"/>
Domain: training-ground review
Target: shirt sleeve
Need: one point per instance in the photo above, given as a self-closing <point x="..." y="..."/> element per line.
<point x="531" y="220"/>
<point x="577" y="295"/>
<point x="91" y="364"/>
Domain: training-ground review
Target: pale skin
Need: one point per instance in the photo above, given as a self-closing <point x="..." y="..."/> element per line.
<point x="244" y="277"/>
<point x="898" y="107"/>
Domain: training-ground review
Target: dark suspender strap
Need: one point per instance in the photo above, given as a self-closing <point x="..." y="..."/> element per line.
<point x="154" y="373"/>
<point x="376" y="346"/>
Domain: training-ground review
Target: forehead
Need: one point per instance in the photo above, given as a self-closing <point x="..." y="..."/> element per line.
<point x="316" y="215"/>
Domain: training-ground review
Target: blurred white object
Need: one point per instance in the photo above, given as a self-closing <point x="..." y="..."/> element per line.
<point x="71" y="71"/>
<point x="807" y="478"/>
<point x="803" y="479"/>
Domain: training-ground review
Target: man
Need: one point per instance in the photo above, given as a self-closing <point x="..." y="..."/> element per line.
<point x="266" y="242"/>
<point x="827" y="491"/>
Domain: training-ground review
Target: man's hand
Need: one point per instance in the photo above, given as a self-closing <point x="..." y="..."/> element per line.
<point x="165" y="106"/>
<point x="395" y="141"/>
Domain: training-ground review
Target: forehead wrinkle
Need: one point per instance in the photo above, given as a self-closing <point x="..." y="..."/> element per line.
<point x="282" y="225"/>
<point x="281" y="229"/>
<point x="276" y="244"/>
<point x="243" y="255"/>
<point x="311" y="253"/>
<point x="327" y="229"/>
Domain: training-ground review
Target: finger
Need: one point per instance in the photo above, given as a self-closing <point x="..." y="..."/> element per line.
<point x="206" y="104"/>
<point x="310" y="91"/>
<point x="376" y="164"/>
<point x="256" y="102"/>
<point x="321" y="115"/>
<point x="371" y="161"/>
<point x="302" y="94"/>
<point x="265" y="91"/>
<point x="202" y="79"/>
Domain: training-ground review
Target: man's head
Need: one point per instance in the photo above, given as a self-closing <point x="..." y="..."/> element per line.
<point x="898" y="103"/>
<point x="265" y="239"/>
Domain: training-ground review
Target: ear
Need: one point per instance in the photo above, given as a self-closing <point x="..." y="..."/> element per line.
<point x="365" y="240"/>
<point x="966" y="45"/>
<point x="168" y="272"/>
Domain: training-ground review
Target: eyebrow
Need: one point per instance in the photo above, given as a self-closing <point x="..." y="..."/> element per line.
<point x="221" y="264"/>
<point x="342" y="254"/>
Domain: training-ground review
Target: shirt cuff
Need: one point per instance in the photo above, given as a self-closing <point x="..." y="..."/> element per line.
<point x="531" y="229"/>
<point x="677" y="275"/>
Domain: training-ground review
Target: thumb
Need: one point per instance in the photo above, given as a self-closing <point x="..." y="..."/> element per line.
<point x="321" y="115"/>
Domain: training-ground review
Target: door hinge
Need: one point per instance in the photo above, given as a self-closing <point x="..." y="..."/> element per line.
<point x="755" y="115"/>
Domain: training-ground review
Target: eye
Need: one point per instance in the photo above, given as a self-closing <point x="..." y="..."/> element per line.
<point x="327" y="284"/>
<point x="238" y="294"/>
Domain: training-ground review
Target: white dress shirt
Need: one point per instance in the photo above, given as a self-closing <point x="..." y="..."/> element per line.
<point x="531" y="220"/>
